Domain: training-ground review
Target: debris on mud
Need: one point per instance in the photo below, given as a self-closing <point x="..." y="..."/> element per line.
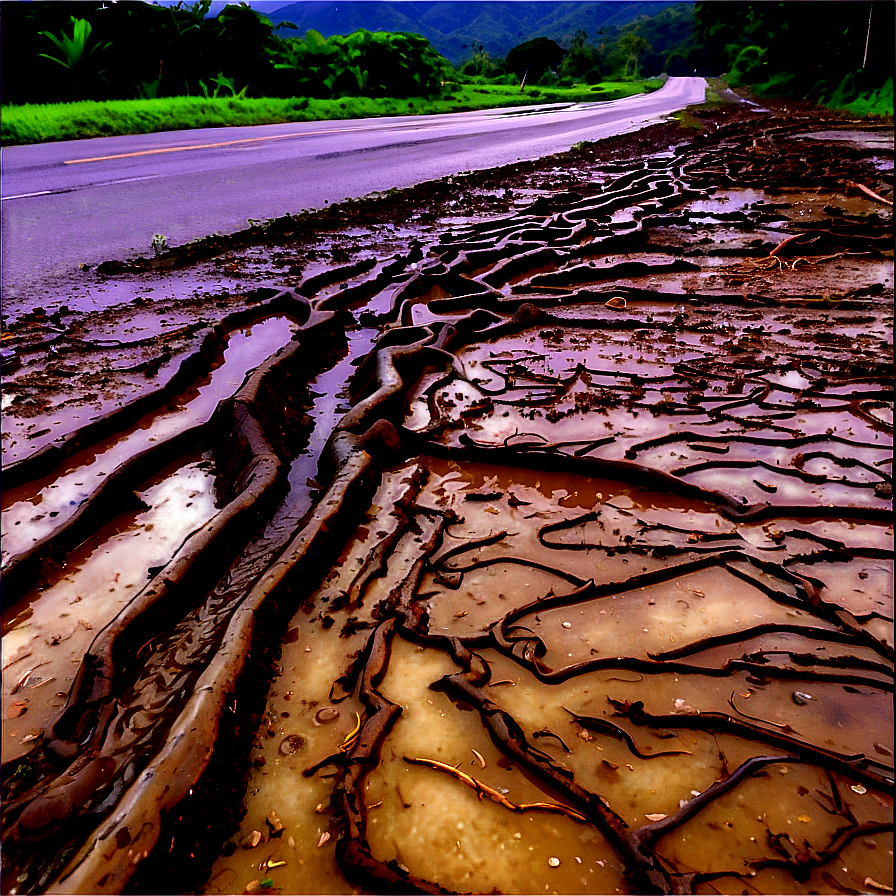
<point x="528" y="531"/>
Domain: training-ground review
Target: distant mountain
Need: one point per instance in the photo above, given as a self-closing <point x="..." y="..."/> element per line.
<point x="453" y="26"/>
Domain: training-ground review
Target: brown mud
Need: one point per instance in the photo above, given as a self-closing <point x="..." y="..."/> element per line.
<point x="528" y="531"/>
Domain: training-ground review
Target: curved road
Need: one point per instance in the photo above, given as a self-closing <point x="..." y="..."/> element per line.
<point x="85" y="201"/>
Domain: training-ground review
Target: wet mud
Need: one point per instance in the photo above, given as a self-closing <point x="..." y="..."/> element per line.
<point x="527" y="532"/>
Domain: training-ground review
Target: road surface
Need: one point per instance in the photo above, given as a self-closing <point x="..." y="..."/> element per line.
<point x="85" y="201"/>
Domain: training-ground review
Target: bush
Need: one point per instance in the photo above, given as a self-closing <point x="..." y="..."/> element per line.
<point x="593" y="76"/>
<point x="848" y="98"/>
<point x="845" y="93"/>
<point x="364" y="63"/>
<point x="747" y="68"/>
<point x="781" y="84"/>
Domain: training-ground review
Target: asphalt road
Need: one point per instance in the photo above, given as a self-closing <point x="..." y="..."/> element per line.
<point x="86" y="201"/>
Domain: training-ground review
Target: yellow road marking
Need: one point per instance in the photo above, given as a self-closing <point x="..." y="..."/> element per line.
<point x="160" y="150"/>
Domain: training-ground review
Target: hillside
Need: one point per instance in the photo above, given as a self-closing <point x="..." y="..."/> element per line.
<point x="452" y="26"/>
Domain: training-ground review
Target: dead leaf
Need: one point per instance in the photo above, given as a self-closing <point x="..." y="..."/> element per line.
<point x="16" y="710"/>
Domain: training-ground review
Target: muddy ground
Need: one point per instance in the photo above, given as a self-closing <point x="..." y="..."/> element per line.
<point x="529" y="531"/>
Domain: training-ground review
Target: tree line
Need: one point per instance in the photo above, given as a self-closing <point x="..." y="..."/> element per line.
<point x="54" y="52"/>
<point x="88" y="49"/>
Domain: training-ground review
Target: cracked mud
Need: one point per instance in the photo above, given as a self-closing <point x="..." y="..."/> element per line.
<point x="529" y="532"/>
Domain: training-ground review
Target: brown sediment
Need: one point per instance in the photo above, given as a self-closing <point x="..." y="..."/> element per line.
<point x="623" y="448"/>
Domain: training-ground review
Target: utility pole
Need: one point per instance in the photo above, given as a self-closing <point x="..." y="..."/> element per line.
<point x="867" y="37"/>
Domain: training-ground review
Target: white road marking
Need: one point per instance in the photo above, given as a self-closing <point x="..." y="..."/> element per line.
<point x="29" y="195"/>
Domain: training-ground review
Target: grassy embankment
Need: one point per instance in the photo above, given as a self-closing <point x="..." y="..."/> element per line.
<point x="686" y="117"/>
<point x="73" y="121"/>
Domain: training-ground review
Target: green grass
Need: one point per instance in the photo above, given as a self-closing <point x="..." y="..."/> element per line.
<point x="72" y="121"/>
<point x="688" y="120"/>
<point x="878" y="104"/>
<point x="846" y="97"/>
<point x="714" y="88"/>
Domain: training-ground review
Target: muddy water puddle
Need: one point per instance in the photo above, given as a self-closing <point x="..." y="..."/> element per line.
<point x="422" y="792"/>
<point x="46" y="633"/>
<point x="34" y="511"/>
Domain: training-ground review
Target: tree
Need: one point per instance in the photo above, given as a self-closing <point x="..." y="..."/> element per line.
<point x="240" y="42"/>
<point x="480" y="63"/>
<point x="580" y="58"/>
<point x="632" y="47"/>
<point x="531" y="59"/>
<point x="676" y="64"/>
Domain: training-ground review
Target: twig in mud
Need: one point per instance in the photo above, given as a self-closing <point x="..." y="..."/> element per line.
<point x="800" y="860"/>
<point x="352" y="737"/>
<point x="484" y="790"/>
<point x="818" y="260"/>
<point x="869" y="193"/>
<point x="650" y="833"/>
<point x="620" y="734"/>
<point x="783" y="727"/>
<point x="790" y="239"/>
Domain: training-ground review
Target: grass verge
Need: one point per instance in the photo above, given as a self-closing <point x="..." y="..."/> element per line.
<point x="26" y="124"/>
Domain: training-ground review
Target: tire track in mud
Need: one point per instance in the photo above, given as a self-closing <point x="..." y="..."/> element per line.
<point x="703" y="336"/>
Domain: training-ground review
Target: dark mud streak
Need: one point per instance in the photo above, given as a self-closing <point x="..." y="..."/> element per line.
<point x="352" y="850"/>
<point x="191" y="368"/>
<point x="855" y="766"/>
<point x="188" y="758"/>
<point x="21" y="571"/>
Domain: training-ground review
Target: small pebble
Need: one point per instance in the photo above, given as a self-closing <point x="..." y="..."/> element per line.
<point x="553" y="861"/>
<point x="291" y="744"/>
<point x="250" y="841"/>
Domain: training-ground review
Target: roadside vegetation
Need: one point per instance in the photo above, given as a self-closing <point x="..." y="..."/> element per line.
<point x="88" y="118"/>
<point x="100" y="70"/>
<point x="838" y="55"/>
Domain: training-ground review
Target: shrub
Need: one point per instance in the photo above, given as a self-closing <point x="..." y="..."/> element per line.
<point x="876" y="103"/>
<point x="747" y="67"/>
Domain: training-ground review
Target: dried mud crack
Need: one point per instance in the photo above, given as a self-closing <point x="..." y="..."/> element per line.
<point x="527" y="532"/>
